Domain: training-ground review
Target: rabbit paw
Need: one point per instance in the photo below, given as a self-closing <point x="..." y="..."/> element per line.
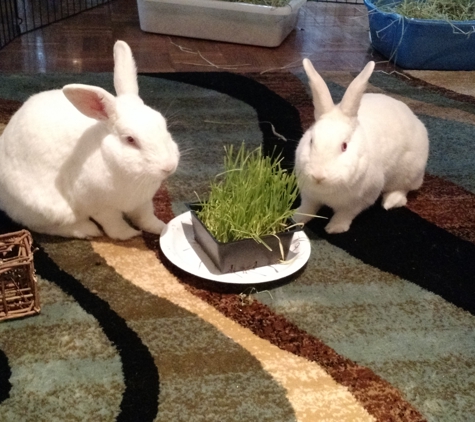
<point x="340" y="222"/>
<point x="154" y="226"/>
<point x="300" y="218"/>
<point x="307" y="210"/>
<point x="337" y="227"/>
<point x="145" y="218"/>
<point x="394" y="199"/>
<point x="88" y="230"/>
<point x="120" y="229"/>
<point x="81" y="230"/>
<point x="123" y="232"/>
<point x="115" y="226"/>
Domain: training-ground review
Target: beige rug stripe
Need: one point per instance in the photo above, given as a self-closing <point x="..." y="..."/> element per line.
<point x="314" y="395"/>
<point x="462" y="81"/>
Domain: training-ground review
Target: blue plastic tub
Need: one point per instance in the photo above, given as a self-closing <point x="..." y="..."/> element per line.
<point x="422" y="43"/>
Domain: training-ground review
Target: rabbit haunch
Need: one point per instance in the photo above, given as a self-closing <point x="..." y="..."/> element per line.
<point x="366" y="146"/>
<point x="77" y="155"/>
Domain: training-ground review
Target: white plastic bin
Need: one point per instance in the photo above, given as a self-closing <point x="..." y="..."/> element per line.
<point x="241" y="23"/>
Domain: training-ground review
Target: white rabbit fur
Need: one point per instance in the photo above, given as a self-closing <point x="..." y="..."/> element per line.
<point x="68" y="156"/>
<point x="367" y="145"/>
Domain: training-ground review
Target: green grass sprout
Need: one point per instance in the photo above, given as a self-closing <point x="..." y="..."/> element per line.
<point x="252" y="198"/>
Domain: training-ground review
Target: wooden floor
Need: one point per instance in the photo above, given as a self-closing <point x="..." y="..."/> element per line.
<point x="333" y="35"/>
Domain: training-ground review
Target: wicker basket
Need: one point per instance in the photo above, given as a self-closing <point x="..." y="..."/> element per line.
<point x="18" y="286"/>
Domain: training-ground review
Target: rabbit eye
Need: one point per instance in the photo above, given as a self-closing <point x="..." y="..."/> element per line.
<point x="344" y="145"/>
<point x="131" y="141"/>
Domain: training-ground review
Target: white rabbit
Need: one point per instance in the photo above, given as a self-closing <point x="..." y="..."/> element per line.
<point x="365" y="146"/>
<point x="71" y="156"/>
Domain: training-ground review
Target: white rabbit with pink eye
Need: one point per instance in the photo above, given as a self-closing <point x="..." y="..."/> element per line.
<point x="366" y="146"/>
<point x="78" y="154"/>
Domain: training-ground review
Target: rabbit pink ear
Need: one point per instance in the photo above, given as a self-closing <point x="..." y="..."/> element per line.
<point x="125" y="71"/>
<point x="322" y="99"/>
<point x="350" y="102"/>
<point x="91" y="101"/>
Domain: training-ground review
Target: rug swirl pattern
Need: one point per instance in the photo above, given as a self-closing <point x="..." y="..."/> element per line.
<point x="378" y="326"/>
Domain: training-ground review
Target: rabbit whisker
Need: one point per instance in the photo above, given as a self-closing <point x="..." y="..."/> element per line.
<point x="172" y="114"/>
<point x="186" y="152"/>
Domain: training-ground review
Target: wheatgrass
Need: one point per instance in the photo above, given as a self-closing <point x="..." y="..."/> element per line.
<point x="252" y="198"/>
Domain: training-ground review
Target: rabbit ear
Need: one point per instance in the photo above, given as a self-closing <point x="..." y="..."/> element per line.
<point x="322" y="99"/>
<point x="352" y="98"/>
<point x="125" y="71"/>
<point x="91" y="101"/>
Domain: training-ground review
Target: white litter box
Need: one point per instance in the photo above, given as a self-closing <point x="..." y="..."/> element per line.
<point x="241" y="23"/>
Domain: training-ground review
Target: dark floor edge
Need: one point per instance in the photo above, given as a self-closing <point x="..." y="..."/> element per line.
<point x="5" y="374"/>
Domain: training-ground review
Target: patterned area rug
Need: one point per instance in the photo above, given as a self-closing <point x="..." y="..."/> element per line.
<point x="378" y="326"/>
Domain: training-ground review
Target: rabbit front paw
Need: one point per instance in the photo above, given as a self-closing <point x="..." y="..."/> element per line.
<point x="340" y="222"/>
<point x="394" y="199"/>
<point x="337" y="227"/>
<point x="122" y="233"/>
<point x="119" y="229"/>
<point x="83" y="229"/>
<point x="154" y="226"/>
<point x="145" y="218"/>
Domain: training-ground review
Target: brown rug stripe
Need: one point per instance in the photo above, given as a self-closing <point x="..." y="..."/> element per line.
<point x="436" y="201"/>
<point x="162" y="204"/>
<point x="7" y="109"/>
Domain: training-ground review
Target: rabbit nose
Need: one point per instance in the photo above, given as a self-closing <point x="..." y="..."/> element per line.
<point x="319" y="178"/>
<point x="168" y="167"/>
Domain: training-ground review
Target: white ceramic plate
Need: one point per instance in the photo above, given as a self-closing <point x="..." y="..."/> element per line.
<point x="179" y="246"/>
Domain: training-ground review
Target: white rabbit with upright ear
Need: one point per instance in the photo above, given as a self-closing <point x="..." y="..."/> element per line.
<point x="367" y="145"/>
<point x="71" y="156"/>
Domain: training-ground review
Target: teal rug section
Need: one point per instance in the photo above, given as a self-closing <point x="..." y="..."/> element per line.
<point x="451" y="152"/>
<point x="63" y="366"/>
<point x="417" y="341"/>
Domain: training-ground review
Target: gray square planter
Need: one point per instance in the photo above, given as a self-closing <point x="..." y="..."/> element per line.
<point x="240" y="255"/>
